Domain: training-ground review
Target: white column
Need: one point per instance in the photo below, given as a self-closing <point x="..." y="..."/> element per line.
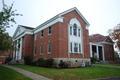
<point x="16" y="53"/>
<point x="20" y="52"/>
<point x="97" y="52"/>
<point x="13" y="55"/>
<point x="103" y="53"/>
<point x="91" y="50"/>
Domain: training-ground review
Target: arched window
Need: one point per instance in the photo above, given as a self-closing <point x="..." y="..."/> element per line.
<point x="75" y="29"/>
<point x="75" y="36"/>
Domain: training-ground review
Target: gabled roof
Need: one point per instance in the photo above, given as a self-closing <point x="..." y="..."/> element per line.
<point x="25" y="27"/>
<point x="99" y="38"/>
<point x="31" y="28"/>
<point x="60" y="15"/>
<point x="72" y="9"/>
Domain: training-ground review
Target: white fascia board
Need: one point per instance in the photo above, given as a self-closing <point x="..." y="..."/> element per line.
<point x="26" y="32"/>
<point x="98" y="44"/>
<point x="107" y="43"/>
<point x="60" y="19"/>
<point x="77" y="12"/>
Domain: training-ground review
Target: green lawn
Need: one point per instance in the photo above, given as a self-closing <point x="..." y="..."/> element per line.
<point x="8" y="74"/>
<point x="75" y="73"/>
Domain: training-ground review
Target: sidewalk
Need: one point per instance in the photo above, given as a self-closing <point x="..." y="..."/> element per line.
<point x="27" y="73"/>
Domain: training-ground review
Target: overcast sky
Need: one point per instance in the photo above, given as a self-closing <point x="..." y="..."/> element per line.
<point x="101" y="14"/>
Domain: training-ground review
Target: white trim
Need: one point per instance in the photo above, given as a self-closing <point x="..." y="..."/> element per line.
<point x="97" y="45"/>
<point x="60" y="19"/>
<point x="107" y="43"/>
<point x="75" y="39"/>
<point x="87" y="27"/>
<point x="24" y="33"/>
<point x="103" y="53"/>
<point x="91" y="51"/>
<point x="20" y="52"/>
<point x="72" y="9"/>
<point x="97" y="51"/>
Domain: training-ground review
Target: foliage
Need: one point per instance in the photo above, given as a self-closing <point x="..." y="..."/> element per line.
<point x="5" y="41"/>
<point x="8" y="59"/>
<point x="115" y="36"/>
<point x="28" y="60"/>
<point x="49" y="62"/>
<point x="93" y="60"/>
<point x="115" y="33"/>
<point x="41" y="62"/>
<point x="44" y="62"/>
<point x="6" y="17"/>
<point x="63" y="64"/>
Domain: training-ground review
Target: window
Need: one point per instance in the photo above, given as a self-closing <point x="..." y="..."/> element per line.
<point x="42" y="33"/>
<point x="79" y="32"/>
<point x="35" y="37"/>
<point x="49" y="30"/>
<point x="49" y="47"/>
<point x="75" y="29"/>
<point x="70" y="30"/>
<point x="35" y="50"/>
<point x="75" y="47"/>
<point x="41" y="49"/>
<point x="79" y="48"/>
<point x="71" y="47"/>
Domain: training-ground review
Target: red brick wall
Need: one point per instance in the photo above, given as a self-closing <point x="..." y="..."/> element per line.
<point x="27" y="46"/>
<point x="59" y="39"/>
<point x="63" y="36"/>
<point x="43" y="41"/>
<point x="108" y="52"/>
<point x="4" y="55"/>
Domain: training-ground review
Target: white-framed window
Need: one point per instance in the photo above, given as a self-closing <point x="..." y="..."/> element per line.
<point x="35" y="36"/>
<point x="49" y="47"/>
<point x="79" y="47"/>
<point x="35" y="50"/>
<point x="49" y="30"/>
<point x="41" y="49"/>
<point x="75" y="47"/>
<point x="75" y="36"/>
<point x="75" y="29"/>
<point x="71" y="47"/>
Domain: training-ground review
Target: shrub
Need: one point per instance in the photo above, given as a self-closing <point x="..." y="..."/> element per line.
<point x="49" y="62"/>
<point x="93" y="60"/>
<point x="41" y="62"/>
<point x="87" y="64"/>
<point x="8" y="59"/>
<point x="63" y="64"/>
<point x="28" y="60"/>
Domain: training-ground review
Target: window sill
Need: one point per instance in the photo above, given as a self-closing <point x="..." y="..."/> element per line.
<point x="75" y="53"/>
<point x="49" y="52"/>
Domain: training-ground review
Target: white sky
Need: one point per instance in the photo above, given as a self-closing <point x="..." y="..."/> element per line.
<point x="101" y="14"/>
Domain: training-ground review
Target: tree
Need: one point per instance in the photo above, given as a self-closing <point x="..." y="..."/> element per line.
<point x="115" y="36"/>
<point x="7" y="16"/>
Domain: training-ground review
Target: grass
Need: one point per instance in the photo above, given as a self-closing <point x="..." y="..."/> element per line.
<point x="75" y="73"/>
<point x="8" y="74"/>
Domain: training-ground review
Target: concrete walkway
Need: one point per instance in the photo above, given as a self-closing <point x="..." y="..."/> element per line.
<point x="27" y="73"/>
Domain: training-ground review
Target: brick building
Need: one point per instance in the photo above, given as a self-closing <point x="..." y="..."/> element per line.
<point x="63" y="37"/>
<point x="4" y="55"/>
<point x="101" y="47"/>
